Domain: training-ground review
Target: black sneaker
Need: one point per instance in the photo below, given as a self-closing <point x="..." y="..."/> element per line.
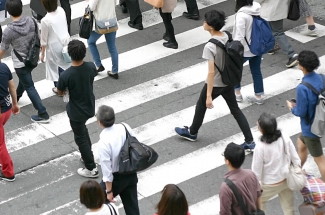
<point x="171" y="45"/>
<point x="37" y="118"/>
<point x="10" y="179"/>
<point x="275" y="48"/>
<point x="191" y="16"/>
<point x="185" y="133"/>
<point x="136" y="26"/>
<point x="248" y="146"/>
<point x="100" y="69"/>
<point x="293" y="61"/>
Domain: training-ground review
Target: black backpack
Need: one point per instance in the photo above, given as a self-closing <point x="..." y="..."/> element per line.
<point x="33" y="51"/>
<point x="135" y="156"/>
<point x="233" y="61"/>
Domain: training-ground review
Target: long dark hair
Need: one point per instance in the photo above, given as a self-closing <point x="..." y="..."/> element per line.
<point x="268" y="125"/>
<point x="242" y="3"/>
<point x="172" y="202"/>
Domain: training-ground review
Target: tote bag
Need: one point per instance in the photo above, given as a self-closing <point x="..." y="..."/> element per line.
<point x="155" y="3"/>
<point x="86" y="24"/>
<point x="314" y="191"/>
<point x="294" y="11"/>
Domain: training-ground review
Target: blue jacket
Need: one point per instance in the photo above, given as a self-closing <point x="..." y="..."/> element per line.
<point x="306" y="102"/>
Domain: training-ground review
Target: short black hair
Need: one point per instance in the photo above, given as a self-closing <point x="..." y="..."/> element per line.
<point x="76" y="50"/>
<point x="235" y="155"/>
<point x="216" y="19"/>
<point x="309" y="60"/>
<point x="242" y="3"/>
<point x="50" y="5"/>
<point x="91" y="194"/>
<point x="106" y="116"/>
<point x="268" y="125"/>
<point x="14" y="7"/>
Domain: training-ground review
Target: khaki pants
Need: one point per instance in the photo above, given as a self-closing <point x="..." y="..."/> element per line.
<point x="285" y="196"/>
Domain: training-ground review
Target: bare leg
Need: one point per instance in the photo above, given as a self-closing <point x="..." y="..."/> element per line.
<point x="310" y="20"/>
<point x="302" y="151"/>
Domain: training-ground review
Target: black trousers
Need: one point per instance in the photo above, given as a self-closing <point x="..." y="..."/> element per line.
<point x="192" y="7"/>
<point x="65" y="4"/>
<point x="134" y="10"/>
<point x="81" y="137"/>
<point x="126" y="187"/>
<point x="167" y="19"/>
<point x="228" y="94"/>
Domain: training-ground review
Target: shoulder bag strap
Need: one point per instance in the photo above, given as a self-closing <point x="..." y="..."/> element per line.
<point x="111" y="209"/>
<point x="126" y="131"/>
<point x="239" y="198"/>
<point x="220" y="45"/>
<point x="310" y="87"/>
<point x="285" y="151"/>
<point x="16" y="53"/>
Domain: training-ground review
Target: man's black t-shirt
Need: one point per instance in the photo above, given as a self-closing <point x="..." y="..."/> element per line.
<point x="79" y="81"/>
<point x="5" y="77"/>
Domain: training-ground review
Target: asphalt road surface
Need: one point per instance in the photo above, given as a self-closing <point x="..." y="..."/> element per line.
<point x="157" y="90"/>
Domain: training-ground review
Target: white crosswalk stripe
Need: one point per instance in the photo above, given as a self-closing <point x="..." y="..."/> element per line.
<point x="57" y="173"/>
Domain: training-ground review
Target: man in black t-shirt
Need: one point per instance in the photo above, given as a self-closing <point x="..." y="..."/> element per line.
<point x="6" y="83"/>
<point x="78" y="81"/>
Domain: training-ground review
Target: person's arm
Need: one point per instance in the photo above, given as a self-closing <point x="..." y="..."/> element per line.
<point x="61" y="86"/>
<point x="210" y="82"/>
<point x="44" y="38"/>
<point x="301" y="107"/>
<point x="5" y="42"/>
<point x="293" y="152"/>
<point x="12" y="91"/>
<point x="106" y="165"/>
<point x="257" y="163"/>
<point x="225" y="196"/>
<point x="259" y="202"/>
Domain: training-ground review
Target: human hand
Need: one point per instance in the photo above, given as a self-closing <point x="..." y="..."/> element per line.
<point x="110" y="197"/>
<point x="209" y="102"/>
<point x="42" y="58"/>
<point x="15" y="109"/>
<point x="290" y="105"/>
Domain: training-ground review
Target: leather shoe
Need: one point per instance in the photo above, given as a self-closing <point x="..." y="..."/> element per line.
<point x="166" y="37"/>
<point x="123" y="8"/>
<point x="171" y="45"/>
<point x="191" y="16"/>
<point x="136" y="26"/>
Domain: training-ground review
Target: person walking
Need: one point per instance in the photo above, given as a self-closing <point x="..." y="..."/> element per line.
<point x="7" y="89"/>
<point x="172" y="202"/>
<point x="304" y="107"/>
<point x="270" y="163"/>
<point x="78" y="81"/>
<point x="306" y="12"/>
<point x="135" y="13"/>
<point x="192" y="10"/>
<point x="275" y="12"/>
<point x="111" y="141"/>
<point x="214" y="87"/>
<point x="54" y="35"/>
<point x="92" y="196"/>
<point x="245" y="10"/>
<point x="19" y="34"/>
<point x="166" y="15"/>
<point x="65" y="4"/>
<point x="245" y="181"/>
<point x="104" y="10"/>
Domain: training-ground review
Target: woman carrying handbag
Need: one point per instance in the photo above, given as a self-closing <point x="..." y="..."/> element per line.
<point x="270" y="163"/>
<point x="54" y="36"/>
<point x="105" y="22"/>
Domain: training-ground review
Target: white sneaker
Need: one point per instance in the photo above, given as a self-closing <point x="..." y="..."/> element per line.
<point x="253" y="99"/>
<point x="88" y="173"/>
<point x="311" y="33"/>
<point x="239" y="98"/>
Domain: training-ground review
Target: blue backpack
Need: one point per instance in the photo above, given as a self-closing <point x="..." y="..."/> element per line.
<point x="262" y="39"/>
<point x="2" y="5"/>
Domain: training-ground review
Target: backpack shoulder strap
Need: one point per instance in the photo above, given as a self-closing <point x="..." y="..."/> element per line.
<point x="239" y="198"/>
<point x="310" y="87"/>
<point x="229" y="35"/>
<point x="126" y="131"/>
<point x="220" y="45"/>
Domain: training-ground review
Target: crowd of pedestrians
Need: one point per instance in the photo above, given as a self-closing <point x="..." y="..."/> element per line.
<point x="76" y="78"/>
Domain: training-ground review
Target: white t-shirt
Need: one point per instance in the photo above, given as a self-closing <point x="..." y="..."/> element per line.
<point x="105" y="210"/>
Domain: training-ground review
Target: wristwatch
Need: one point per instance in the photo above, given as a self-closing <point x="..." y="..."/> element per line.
<point x="108" y="192"/>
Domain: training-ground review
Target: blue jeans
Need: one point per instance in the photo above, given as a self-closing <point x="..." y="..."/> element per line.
<point x="26" y="83"/>
<point x="255" y="66"/>
<point x="110" y="41"/>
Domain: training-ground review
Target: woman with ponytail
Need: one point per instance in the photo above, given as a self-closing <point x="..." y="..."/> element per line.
<point x="270" y="162"/>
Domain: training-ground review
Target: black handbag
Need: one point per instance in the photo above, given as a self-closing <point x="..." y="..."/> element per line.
<point x="240" y="200"/>
<point x="135" y="156"/>
<point x="86" y="24"/>
<point x="294" y="11"/>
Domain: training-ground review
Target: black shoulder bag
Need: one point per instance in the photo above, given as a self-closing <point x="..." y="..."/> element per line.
<point x="240" y="200"/>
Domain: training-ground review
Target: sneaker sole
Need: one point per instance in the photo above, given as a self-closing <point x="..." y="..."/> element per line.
<point x="187" y="138"/>
<point x="89" y="176"/>
<point x="293" y="64"/>
<point x="42" y="121"/>
<point x="271" y="53"/>
<point x="9" y="180"/>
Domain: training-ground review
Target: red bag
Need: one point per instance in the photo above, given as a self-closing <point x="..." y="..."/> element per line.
<point x="314" y="191"/>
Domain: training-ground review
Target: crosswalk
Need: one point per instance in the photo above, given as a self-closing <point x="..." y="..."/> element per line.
<point x="157" y="90"/>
